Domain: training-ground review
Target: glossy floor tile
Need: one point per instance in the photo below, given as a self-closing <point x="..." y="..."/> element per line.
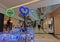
<point x="45" y="38"/>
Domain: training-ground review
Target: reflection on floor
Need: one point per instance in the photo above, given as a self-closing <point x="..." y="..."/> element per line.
<point x="44" y="30"/>
<point x="38" y="31"/>
<point x="45" y="38"/>
<point x="57" y="36"/>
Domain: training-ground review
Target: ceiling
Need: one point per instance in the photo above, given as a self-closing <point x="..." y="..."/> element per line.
<point x="32" y="4"/>
<point x="11" y="3"/>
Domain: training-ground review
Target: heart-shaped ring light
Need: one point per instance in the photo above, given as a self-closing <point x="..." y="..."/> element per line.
<point x="24" y="10"/>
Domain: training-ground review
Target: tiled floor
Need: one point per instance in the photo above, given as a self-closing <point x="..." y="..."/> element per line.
<point x="38" y="31"/>
<point x="58" y="36"/>
<point x="45" y="38"/>
<point x="45" y="30"/>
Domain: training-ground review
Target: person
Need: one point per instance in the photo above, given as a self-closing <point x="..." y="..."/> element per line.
<point x="34" y="25"/>
<point x="20" y="25"/>
<point x="17" y="28"/>
<point x="29" y="31"/>
<point x="9" y="24"/>
<point x="39" y="26"/>
<point x="5" y="29"/>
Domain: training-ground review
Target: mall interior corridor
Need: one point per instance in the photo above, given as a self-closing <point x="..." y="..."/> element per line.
<point x="29" y="20"/>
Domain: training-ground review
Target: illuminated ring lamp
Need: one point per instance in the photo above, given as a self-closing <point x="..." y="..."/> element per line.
<point x="22" y="9"/>
<point x="10" y="12"/>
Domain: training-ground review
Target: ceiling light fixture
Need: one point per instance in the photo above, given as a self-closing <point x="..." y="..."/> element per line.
<point x="26" y="3"/>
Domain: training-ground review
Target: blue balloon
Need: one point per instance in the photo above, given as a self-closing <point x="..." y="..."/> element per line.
<point x="25" y="9"/>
